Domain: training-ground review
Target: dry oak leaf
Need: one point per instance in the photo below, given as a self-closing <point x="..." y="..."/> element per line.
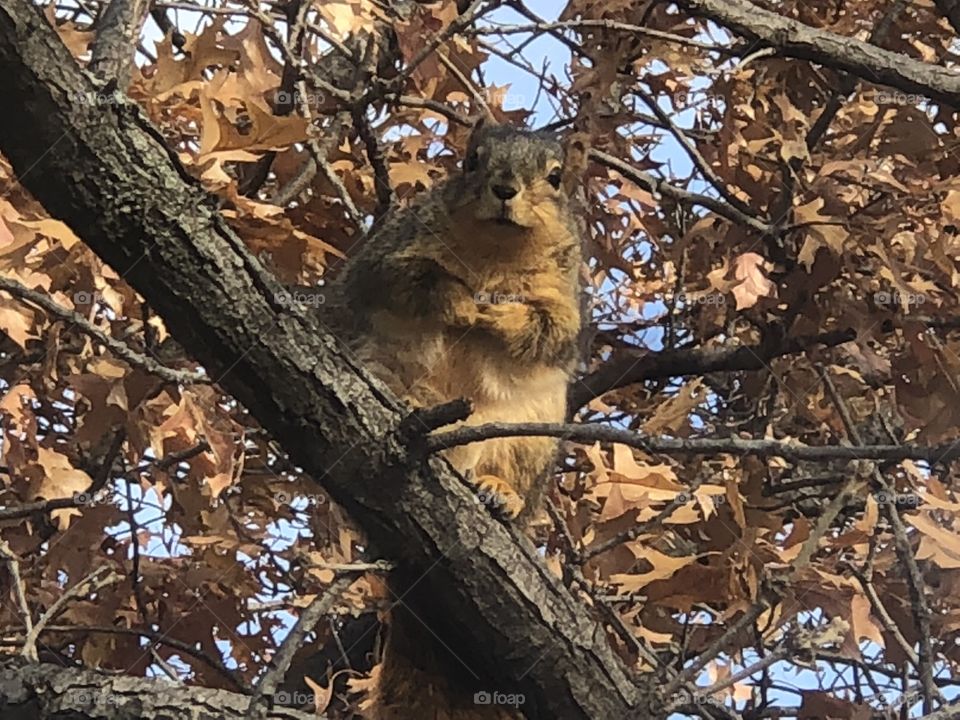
<point x="673" y="416"/>
<point x="663" y="567"/>
<point x="753" y="284"/>
<point x="937" y="544"/>
<point x="53" y="477"/>
<point x="821" y="232"/>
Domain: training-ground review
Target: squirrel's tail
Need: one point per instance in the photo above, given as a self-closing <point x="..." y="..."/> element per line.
<point x="421" y="676"/>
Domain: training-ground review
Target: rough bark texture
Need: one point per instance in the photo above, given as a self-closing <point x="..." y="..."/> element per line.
<point x="112" y="55"/>
<point x="794" y="39"/>
<point x="40" y="691"/>
<point x="105" y="171"/>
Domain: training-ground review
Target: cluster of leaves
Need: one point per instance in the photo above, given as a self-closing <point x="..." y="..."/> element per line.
<point x="807" y="200"/>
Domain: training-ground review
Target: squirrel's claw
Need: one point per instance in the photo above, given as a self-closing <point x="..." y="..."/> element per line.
<point x="497" y="494"/>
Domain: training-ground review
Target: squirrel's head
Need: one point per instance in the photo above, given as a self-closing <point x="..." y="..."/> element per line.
<point x="516" y="178"/>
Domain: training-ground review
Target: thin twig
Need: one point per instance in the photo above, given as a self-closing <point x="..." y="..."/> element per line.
<point x="655" y="185"/>
<point x="281" y="662"/>
<point x="448" y="32"/>
<point x="120" y="349"/>
<point x="96" y="580"/>
<point x="356" y="567"/>
<point x="915" y="583"/>
<point x="590" y="24"/>
<point x="643" y="528"/>
<point x="161" y="639"/>
<point x="689" y="673"/>
<point x="695" y="156"/>
<point x="789" y="450"/>
<point x="13" y="565"/>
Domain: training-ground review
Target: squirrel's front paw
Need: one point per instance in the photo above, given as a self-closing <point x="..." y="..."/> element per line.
<point x="498" y="495"/>
<point x="511" y="318"/>
<point x="461" y="309"/>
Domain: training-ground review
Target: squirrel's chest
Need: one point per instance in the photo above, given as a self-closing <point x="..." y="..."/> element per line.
<point x="481" y="371"/>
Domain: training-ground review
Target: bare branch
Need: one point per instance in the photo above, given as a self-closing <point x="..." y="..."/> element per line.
<point x="794" y="39"/>
<point x="119" y="26"/>
<point x="685" y="197"/>
<point x="13" y="566"/>
<point x="787" y="449"/>
<point x="96" y="580"/>
<point x="915" y="583"/>
<point x="280" y="663"/>
<point x="120" y="349"/>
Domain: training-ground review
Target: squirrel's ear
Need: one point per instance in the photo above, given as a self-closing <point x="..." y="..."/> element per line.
<point x="575" y="150"/>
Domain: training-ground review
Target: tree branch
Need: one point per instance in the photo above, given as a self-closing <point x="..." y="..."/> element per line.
<point x="794" y="39"/>
<point x="281" y="662"/>
<point x="789" y="450"/>
<point x="694" y="361"/>
<point x="48" y="692"/>
<point x="118" y="348"/>
<point x="685" y="197"/>
<point x="118" y="29"/>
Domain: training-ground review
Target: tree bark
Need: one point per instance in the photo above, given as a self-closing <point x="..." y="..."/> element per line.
<point x="866" y="61"/>
<point x="104" y="170"/>
<point x="42" y="691"/>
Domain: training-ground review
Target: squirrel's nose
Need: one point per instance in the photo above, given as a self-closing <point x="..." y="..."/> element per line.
<point x="504" y="192"/>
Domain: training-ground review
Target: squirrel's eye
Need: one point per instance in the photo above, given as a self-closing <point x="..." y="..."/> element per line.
<point x="554" y="178"/>
<point x="472" y="161"/>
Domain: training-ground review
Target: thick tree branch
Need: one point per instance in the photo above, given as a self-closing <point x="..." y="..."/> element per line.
<point x="107" y="173"/>
<point x="118" y="29"/>
<point x="794" y="39"/>
<point x="46" y="692"/>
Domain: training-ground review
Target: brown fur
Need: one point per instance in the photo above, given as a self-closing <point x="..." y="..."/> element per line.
<point x="465" y="294"/>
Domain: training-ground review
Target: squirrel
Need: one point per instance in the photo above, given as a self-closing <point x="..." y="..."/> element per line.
<point x="473" y="292"/>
